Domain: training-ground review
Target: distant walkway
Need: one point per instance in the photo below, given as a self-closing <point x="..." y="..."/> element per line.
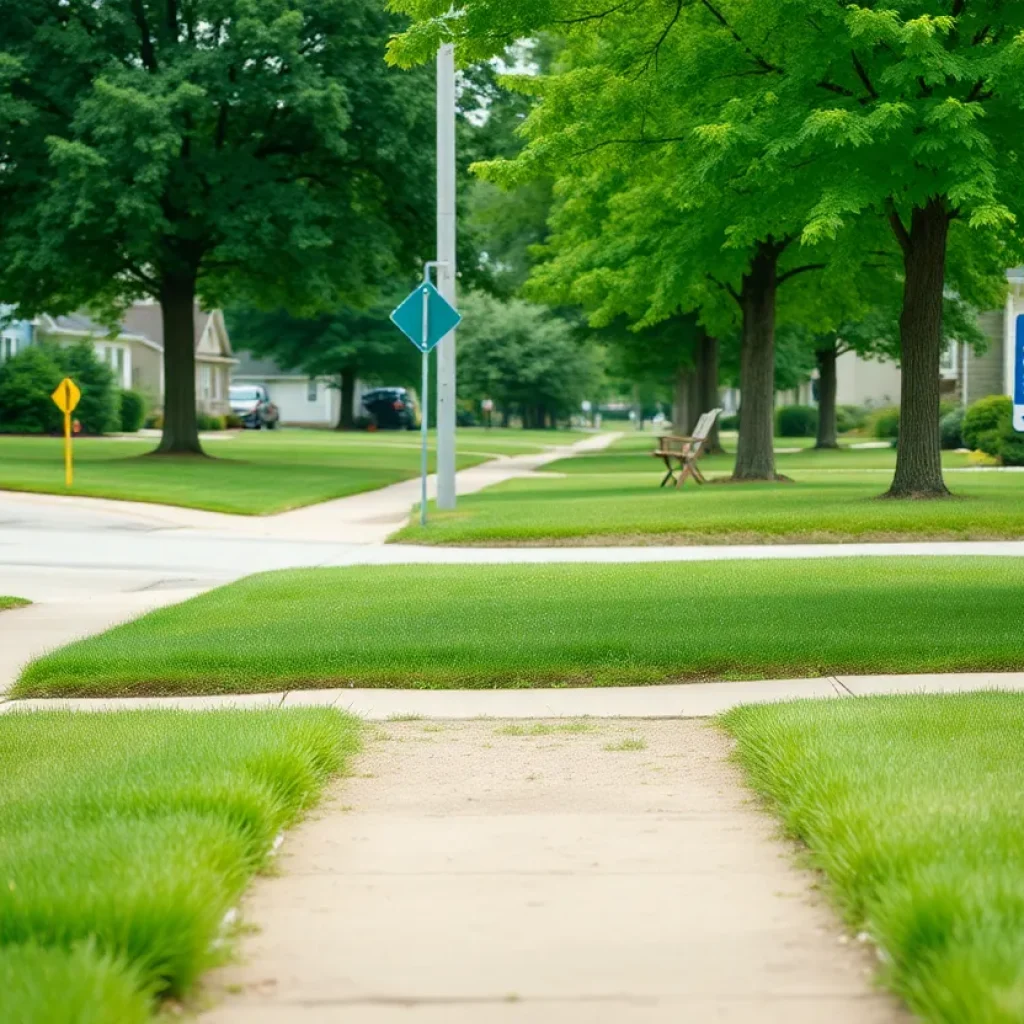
<point x="675" y="700"/>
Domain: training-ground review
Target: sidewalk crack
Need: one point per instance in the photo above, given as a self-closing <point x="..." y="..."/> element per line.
<point x="840" y="687"/>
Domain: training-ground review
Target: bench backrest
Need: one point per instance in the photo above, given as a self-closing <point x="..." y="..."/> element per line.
<point x="694" y="443"/>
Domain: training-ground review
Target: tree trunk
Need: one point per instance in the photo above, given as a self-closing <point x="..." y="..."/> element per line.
<point x="755" y="459"/>
<point x="177" y="307"/>
<point x="681" y="404"/>
<point x="707" y="386"/>
<point x="919" y="451"/>
<point x="346" y="418"/>
<point x="827" y="433"/>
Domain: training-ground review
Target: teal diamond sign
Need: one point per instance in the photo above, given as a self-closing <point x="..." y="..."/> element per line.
<point x="425" y="317"/>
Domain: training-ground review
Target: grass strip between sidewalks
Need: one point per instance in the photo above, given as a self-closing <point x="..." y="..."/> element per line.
<point x="466" y="626"/>
<point x="12" y="602"/>
<point x="129" y="836"/>
<point x="914" y="809"/>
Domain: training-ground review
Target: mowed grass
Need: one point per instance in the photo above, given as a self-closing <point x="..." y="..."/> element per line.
<point x="914" y="809"/>
<point x="12" y="602"/>
<point x="250" y="472"/>
<point x="539" y="625"/>
<point x="613" y="497"/>
<point x="127" y="837"/>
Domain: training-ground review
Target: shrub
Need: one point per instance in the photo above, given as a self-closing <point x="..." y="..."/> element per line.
<point x="796" y="421"/>
<point x="155" y="421"/>
<point x="850" y="417"/>
<point x="233" y="422"/>
<point x="984" y="421"/>
<point x="731" y="422"/>
<point x="951" y="428"/>
<point x="204" y="421"/>
<point x="26" y="382"/>
<point x="133" y="411"/>
<point x="99" y="411"/>
<point x="1011" y="446"/>
<point x="885" y="422"/>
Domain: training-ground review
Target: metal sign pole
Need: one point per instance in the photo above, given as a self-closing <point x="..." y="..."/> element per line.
<point x="425" y="413"/>
<point x="446" y="380"/>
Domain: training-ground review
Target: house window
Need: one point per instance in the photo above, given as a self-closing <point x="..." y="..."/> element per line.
<point x="311" y="389"/>
<point x="205" y="381"/>
<point x="949" y="364"/>
<point x="117" y="358"/>
<point x="8" y="347"/>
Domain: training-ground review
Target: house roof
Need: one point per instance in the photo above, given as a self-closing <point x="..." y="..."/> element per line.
<point x="81" y="325"/>
<point x="145" y="318"/>
<point x="142" y="322"/>
<point x="250" y="365"/>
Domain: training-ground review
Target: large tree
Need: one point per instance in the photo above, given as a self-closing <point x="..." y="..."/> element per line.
<point x="246" y="151"/>
<point x="526" y="359"/>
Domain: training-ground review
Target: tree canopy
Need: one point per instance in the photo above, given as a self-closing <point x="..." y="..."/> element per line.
<point x="773" y="131"/>
<point x="230" y="150"/>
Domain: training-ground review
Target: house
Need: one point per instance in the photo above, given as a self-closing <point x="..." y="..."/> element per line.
<point x="302" y="400"/>
<point x="964" y="376"/>
<point x="134" y="349"/>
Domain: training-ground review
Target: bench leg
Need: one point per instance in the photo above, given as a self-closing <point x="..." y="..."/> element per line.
<point x="687" y="469"/>
<point x="670" y="475"/>
<point x="697" y="474"/>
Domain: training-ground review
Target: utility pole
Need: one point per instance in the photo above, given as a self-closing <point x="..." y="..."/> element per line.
<point x="446" y="270"/>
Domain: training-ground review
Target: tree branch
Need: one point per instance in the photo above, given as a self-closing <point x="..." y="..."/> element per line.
<point x="863" y="75"/>
<point x="899" y="229"/>
<point x="721" y="19"/>
<point x="653" y="55"/>
<point x="726" y="287"/>
<point x="832" y="87"/>
<point x="148" y="53"/>
<point x="583" y="18"/>
<point x="799" y="270"/>
<point x="979" y="93"/>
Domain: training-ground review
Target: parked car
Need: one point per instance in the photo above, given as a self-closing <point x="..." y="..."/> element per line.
<point x="391" y="408"/>
<point x="252" y="405"/>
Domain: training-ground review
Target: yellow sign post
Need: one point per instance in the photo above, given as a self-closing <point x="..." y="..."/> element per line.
<point x="66" y="398"/>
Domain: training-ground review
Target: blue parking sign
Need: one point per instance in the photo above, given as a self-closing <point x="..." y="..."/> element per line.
<point x="1018" y="377"/>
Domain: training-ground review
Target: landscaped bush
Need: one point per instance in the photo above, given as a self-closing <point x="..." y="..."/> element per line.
<point x="983" y="422"/>
<point x="885" y="423"/>
<point x="233" y="422"/>
<point x="951" y="428"/>
<point x="99" y="410"/>
<point x="133" y="411"/>
<point x="730" y="422"/>
<point x="26" y="382"/>
<point x="850" y="417"/>
<point x="204" y="421"/>
<point x="796" y="421"/>
<point x="154" y="421"/>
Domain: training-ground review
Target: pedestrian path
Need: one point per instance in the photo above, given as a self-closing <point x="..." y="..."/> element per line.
<point x="674" y="700"/>
<point x="465" y="874"/>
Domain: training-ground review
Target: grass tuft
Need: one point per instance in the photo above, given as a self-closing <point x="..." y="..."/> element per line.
<point x="628" y="743"/>
<point x="914" y="809"/>
<point x="122" y="856"/>
<point x="12" y="602"/>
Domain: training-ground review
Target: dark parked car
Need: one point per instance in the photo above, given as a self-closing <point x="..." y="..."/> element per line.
<point x="252" y="405"/>
<point x="391" y="408"/>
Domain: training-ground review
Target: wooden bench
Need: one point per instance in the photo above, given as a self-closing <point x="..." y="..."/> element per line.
<point x="680" y="454"/>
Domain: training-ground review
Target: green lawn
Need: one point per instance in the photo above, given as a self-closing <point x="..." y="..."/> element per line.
<point x="914" y="809"/>
<point x="126" y="839"/>
<point x="253" y="472"/>
<point x="532" y="625"/>
<point x="12" y="602"/>
<point x="613" y="497"/>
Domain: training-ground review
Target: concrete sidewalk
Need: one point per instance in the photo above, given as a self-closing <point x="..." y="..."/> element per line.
<point x="466" y="875"/>
<point x="676" y="700"/>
